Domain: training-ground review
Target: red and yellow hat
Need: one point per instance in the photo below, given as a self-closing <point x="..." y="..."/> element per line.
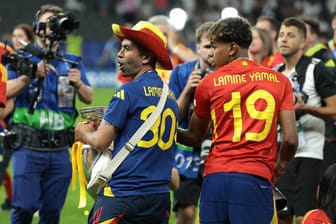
<point x="149" y="36"/>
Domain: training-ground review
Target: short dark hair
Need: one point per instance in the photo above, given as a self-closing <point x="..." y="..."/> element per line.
<point x="313" y="24"/>
<point x="55" y="9"/>
<point x="275" y="24"/>
<point x="28" y="30"/>
<point x="232" y="29"/>
<point x="327" y="192"/>
<point x="296" y="22"/>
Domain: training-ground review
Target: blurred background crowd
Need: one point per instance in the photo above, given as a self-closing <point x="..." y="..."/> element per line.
<point x="96" y="17"/>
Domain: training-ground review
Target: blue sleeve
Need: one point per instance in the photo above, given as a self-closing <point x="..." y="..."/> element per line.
<point x="117" y="110"/>
<point x="174" y="82"/>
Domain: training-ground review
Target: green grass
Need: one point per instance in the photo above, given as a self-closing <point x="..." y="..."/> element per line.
<point x="70" y="212"/>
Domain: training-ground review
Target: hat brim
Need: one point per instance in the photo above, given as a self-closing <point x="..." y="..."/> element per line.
<point x="148" y="41"/>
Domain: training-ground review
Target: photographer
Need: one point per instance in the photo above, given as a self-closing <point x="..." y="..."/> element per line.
<point x="45" y="83"/>
<point x="20" y="32"/>
<point x="183" y="81"/>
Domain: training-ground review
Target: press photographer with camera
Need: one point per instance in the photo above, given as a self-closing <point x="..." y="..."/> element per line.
<point x="45" y="81"/>
<point x="24" y="32"/>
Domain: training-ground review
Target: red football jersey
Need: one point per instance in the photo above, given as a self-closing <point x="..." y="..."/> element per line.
<point x="3" y="81"/>
<point x="243" y="100"/>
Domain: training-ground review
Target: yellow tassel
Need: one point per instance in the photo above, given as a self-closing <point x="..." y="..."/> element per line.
<point x="81" y="176"/>
<point x="77" y="167"/>
<point x="74" y="149"/>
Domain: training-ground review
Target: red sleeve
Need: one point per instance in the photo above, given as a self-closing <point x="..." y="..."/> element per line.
<point x="3" y="80"/>
<point x="316" y="216"/>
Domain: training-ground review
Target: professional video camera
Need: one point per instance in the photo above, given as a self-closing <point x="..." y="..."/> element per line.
<point x="20" y="64"/>
<point x="7" y="139"/>
<point x="61" y="24"/>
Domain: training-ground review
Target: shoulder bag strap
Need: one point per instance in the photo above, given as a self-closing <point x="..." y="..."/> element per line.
<point x="142" y="130"/>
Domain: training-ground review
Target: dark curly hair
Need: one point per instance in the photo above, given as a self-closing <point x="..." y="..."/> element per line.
<point x="233" y="29"/>
<point x="326" y="199"/>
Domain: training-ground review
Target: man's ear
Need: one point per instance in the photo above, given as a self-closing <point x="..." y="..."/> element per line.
<point x="146" y="58"/>
<point x="233" y="49"/>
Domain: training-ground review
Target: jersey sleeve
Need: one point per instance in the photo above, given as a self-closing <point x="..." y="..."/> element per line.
<point x="3" y="81"/>
<point x="316" y="216"/>
<point x="117" y="111"/>
<point x="202" y="100"/>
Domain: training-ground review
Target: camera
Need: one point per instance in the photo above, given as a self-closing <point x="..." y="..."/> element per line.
<point x="303" y="96"/>
<point x="7" y="139"/>
<point x="20" y="64"/>
<point x="62" y="24"/>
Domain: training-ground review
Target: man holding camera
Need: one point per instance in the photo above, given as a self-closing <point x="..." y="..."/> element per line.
<point x="315" y="102"/>
<point x="45" y="92"/>
<point x="183" y="80"/>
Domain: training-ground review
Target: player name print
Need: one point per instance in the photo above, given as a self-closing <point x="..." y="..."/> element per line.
<point x="230" y="79"/>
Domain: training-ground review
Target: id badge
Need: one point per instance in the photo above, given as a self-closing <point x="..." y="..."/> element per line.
<point x="65" y="93"/>
<point x="186" y="161"/>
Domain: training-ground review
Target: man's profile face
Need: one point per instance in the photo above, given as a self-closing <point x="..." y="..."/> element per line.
<point x="221" y="52"/>
<point x="205" y="51"/>
<point x="130" y="60"/>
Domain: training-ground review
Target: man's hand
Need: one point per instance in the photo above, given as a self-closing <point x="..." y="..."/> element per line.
<point x="74" y="77"/>
<point x="42" y="69"/>
<point x="83" y="129"/>
<point x="192" y="82"/>
<point x="279" y="170"/>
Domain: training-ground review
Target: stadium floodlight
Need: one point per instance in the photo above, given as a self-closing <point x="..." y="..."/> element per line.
<point x="178" y="18"/>
<point x="229" y="12"/>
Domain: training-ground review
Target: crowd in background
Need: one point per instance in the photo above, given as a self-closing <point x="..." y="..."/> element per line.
<point x="92" y="38"/>
<point x="263" y="50"/>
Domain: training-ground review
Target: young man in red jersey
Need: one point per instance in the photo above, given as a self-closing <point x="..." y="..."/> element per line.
<point x="243" y="102"/>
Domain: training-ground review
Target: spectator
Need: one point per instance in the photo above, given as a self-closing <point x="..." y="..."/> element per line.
<point x="313" y="87"/>
<point x="183" y="81"/>
<point x="41" y="161"/>
<point x="326" y="200"/>
<point x="273" y="26"/>
<point x="23" y="32"/>
<point x="20" y="32"/>
<point x="318" y="49"/>
<point x="108" y="58"/>
<point x="178" y="52"/>
<point x="332" y="41"/>
<point x="261" y="48"/>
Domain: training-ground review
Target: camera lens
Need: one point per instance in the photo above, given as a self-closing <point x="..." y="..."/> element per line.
<point x="66" y="25"/>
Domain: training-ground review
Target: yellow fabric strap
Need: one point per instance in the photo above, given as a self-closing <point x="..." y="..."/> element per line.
<point x="77" y="166"/>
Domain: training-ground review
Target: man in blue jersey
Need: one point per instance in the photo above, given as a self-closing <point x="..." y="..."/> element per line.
<point x="43" y="118"/>
<point x="188" y="160"/>
<point x="138" y="190"/>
